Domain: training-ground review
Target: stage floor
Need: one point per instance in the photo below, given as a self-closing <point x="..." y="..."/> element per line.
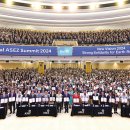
<point x="65" y="122"/>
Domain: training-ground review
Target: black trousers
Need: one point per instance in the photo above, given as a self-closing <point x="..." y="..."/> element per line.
<point x="5" y="105"/>
<point x="66" y="104"/>
<point x="95" y="102"/>
<point x="102" y="104"/>
<point x="111" y="104"/>
<point x="12" y="104"/>
<point x="115" y="107"/>
<point x="59" y="106"/>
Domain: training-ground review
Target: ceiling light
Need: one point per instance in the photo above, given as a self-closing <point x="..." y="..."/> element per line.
<point x="120" y="3"/>
<point x="57" y="7"/>
<point x="9" y="2"/>
<point x="94" y="6"/>
<point x="36" y="6"/>
<point x="72" y="7"/>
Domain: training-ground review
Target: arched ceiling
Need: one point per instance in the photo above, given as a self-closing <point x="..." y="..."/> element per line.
<point x="49" y="17"/>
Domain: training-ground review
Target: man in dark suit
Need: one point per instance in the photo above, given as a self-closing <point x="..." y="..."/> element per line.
<point x="53" y="95"/>
<point x="95" y="98"/>
<point x="33" y="96"/>
<point x="4" y="104"/>
<point x="111" y="99"/>
<point x="116" y="103"/>
<point x="12" y="96"/>
<point x="66" y="101"/>
<point x="25" y="95"/>
<point x="102" y="98"/>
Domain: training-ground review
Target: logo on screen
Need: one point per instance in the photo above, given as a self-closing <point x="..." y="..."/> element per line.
<point x="64" y="51"/>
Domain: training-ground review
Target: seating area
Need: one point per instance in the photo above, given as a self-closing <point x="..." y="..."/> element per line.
<point x="33" y="37"/>
<point x="101" y="87"/>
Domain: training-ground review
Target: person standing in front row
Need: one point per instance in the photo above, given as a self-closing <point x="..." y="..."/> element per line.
<point x="124" y="100"/>
<point x="66" y="101"/>
<point x="59" y="101"/>
<point x="12" y="98"/>
<point x="4" y="104"/>
<point x="71" y="92"/>
<point x="18" y="99"/>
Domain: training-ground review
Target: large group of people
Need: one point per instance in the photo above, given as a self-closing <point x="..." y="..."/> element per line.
<point x="64" y="87"/>
<point x="28" y="37"/>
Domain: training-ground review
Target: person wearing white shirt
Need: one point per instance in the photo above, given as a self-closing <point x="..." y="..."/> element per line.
<point x="59" y="101"/>
<point x="124" y="100"/>
<point x="85" y="97"/>
<point x="18" y="98"/>
<point x="117" y="99"/>
<point x="95" y="97"/>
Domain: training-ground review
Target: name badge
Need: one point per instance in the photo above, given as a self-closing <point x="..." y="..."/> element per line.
<point x="85" y="99"/>
<point x="30" y="100"/>
<point x="52" y="99"/>
<point x="18" y="99"/>
<point x="3" y="101"/>
<point x="25" y="99"/>
<point x="124" y="100"/>
<point x="95" y="98"/>
<point x="38" y="99"/>
<point x="90" y="93"/>
<point x="66" y="99"/>
<point x="11" y="99"/>
<point x="103" y="99"/>
<point x="46" y="99"/>
<point x="117" y="99"/>
<point x="59" y="99"/>
<point x="76" y="100"/>
<point x="53" y="88"/>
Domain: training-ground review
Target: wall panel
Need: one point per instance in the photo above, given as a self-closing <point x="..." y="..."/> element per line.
<point x="115" y="65"/>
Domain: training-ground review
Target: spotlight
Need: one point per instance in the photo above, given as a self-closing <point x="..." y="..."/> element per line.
<point x="9" y="2"/>
<point x="57" y="7"/>
<point x="72" y="7"/>
<point x="36" y="6"/>
<point x="120" y="3"/>
<point x="94" y="6"/>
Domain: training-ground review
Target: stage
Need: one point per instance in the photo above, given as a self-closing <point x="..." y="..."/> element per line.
<point x="65" y="122"/>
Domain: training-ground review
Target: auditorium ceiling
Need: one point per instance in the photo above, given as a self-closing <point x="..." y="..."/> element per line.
<point x="65" y="13"/>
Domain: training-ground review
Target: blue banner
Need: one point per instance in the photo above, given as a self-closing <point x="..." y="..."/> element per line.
<point x="28" y="50"/>
<point x="15" y="50"/>
<point x="102" y="51"/>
